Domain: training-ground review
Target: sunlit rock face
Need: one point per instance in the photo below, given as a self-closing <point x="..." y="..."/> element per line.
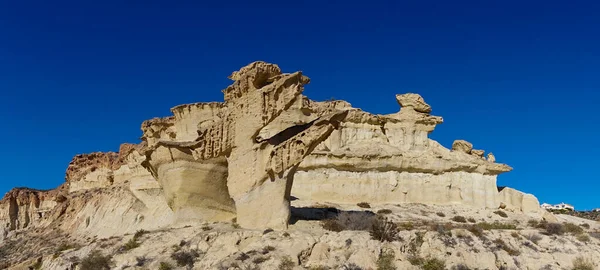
<point x="245" y="157"/>
<point x="390" y="159"/>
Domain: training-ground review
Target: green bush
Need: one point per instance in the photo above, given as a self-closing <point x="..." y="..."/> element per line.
<point x="496" y="226"/>
<point x="364" y="205"/>
<point x="581" y="263"/>
<point x="583" y="237"/>
<point x="533" y="223"/>
<point x="459" y="219"/>
<point x="132" y="244"/>
<point x="185" y="258"/>
<point x="572" y="228"/>
<point x="501" y="213"/>
<point x="286" y="264"/>
<point x="386" y="260"/>
<point x="350" y="221"/>
<point x="440" y="214"/>
<point x="384" y="230"/>
<point x="96" y="261"/>
<point x="139" y="234"/>
<point x="165" y="266"/>
<point x="502" y="245"/>
<point x="433" y="264"/>
<point x="554" y="229"/>
<point x="384" y="211"/>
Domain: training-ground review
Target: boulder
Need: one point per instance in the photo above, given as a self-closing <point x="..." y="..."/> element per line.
<point x="414" y="101"/>
<point x="477" y="153"/>
<point x="462" y="146"/>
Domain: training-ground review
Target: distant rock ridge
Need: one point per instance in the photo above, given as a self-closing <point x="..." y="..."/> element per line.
<point x="245" y="157"/>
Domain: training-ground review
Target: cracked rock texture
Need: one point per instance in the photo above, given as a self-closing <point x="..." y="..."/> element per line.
<point x="245" y="159"/>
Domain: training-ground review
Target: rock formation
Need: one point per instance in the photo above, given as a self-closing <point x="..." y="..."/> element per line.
<point x="244" y="158"/>
<point x="240" y="164"/>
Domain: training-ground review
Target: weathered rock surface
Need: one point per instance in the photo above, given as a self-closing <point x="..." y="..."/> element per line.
<point x="462" y="146"/>
<point x="246" y="158"/>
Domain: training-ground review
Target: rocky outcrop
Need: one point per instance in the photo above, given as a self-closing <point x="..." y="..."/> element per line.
<point x="517" y="200"/>
<point x="462" y="146"/>
<point x="242" y="161"/>
<point x="390" y="159"/>
<point x="245" y="157"/>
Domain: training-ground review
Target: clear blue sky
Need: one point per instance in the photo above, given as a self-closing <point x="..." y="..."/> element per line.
<point x="518" y="78"/>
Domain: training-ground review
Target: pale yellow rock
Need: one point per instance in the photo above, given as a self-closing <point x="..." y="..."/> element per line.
<point x="491" y="157"/>
<point x="414" y="101"/>
<point x="194" y="190"/>
<point x="477" y="153"/>
<point x="462" y="146"/>
<point x="514" y="199"/>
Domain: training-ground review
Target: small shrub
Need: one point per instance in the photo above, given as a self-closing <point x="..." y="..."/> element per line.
<point x="585" y="225"/>
<point x="555" y="229"/>
<point x="386" y="260"/>
<point x="96" y="261"/>
<point x="286" y="234"/>
<point x="501" y="213"/>
<point x="206" y="228"/>
<point x="384" y="211"/>
<point x="268" y="230"/>
<point x="515" y="235"/>
<point x="502" y="245"/>
<point x="139" y="234"/>
<point x="443" y="229"/>
<point x="581" y="263"/>
<point x="440" y="214"/>
<point x="242" y="257"/>
<point x="534" y="237"/>
<point x="415" y="260"/>
<point x="583" y="237"/>
<point x="38" y="264"/>
<point x="132" y="244"/>
<point x="472" y="220"/>
<point x="384" y="230"/>
<point x="348" y="242"/>
<point x="259" y="260"/>
<point x="65" y="246"/>
<point x="460" y="267"/>
<point x="459" y="219"/>
<point x="267" y="249"/>
<point x="351" y="266"/>
<point x="350" y="221"/>
<point x="476" y="230"/>
<point x="572" y="228"/>
<point x="433" y="264"/>
<point x="533" y="223"/>
<point x="286" y="264"/>
<point x="363" y="205"/>
<point x="496" y="226"/>
<point x="165" y="266"/>
<point x="407" y="226"/>
<point x="235" y="225"/>
<point x="140" y="261"/>
<point x="185" y="258"/>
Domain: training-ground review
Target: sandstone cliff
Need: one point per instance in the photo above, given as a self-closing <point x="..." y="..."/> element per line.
<point x="246" y="158"/>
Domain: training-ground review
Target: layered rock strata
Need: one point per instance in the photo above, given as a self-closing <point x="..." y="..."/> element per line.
<point x="244" y="158"/>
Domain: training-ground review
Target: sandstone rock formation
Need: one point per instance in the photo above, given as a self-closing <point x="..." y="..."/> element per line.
<point x="244" y="158"/>
<point x="238" y="152"/>
<point x="248" y="159"/>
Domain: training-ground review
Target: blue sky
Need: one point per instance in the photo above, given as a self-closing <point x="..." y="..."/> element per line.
<point x="518" y="78"/>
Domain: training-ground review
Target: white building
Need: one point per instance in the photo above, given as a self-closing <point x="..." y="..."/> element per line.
<point x="596" y="210"/>
<point x="559" y="206"/>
